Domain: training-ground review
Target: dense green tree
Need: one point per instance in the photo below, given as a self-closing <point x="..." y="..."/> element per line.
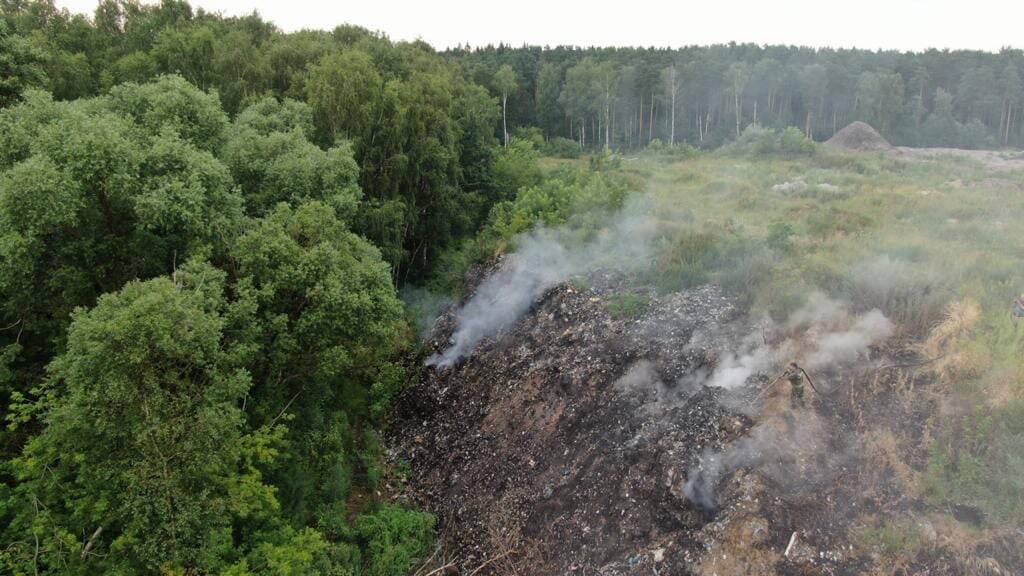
<point x="142" y="464"/>
<point x="344" y="89"/>
<point x="328" y="321"/>
<point x="273" y="161"/>
<point x="20" y="66"/>
<point x="90" y="199"/>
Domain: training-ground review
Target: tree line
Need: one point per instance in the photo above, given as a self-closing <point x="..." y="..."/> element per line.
<point x="705" y="96"/>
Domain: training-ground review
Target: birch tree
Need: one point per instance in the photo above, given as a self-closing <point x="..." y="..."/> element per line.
<point x="738" y="75"/>
<point x="673" y="84"/>
<point x="505" y="81"/>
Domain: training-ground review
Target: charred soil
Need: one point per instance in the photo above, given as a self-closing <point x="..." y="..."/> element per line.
<point x="563" y="445"/>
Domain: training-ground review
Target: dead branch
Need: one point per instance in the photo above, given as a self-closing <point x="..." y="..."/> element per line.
<point x="439" y="569"/>
<point x="792" y="540"/>
<point x="92" y="541"/>
<point x="493" y="558"/>
<point x="285" y="409"/>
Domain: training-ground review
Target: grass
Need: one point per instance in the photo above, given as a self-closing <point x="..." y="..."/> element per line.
<point x="627" y="305"/>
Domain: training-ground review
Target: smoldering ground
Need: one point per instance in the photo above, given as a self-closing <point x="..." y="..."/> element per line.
<point x="788" y="448"/>
<point x="544" y="258"/>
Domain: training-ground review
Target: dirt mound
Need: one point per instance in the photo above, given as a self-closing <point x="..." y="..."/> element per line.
<point x="566" y="444"/>
<point x="558" y="439"/>
<point x="859" y="136"/>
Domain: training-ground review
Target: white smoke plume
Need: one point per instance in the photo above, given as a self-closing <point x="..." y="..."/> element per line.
<point x="543" y="259"/>
<point x="821" y="334"/>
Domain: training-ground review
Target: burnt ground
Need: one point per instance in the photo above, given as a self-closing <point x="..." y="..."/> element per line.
<point x="563" y="444"/>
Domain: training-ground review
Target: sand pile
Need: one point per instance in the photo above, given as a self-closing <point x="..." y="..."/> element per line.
<point x="859" y="136"/>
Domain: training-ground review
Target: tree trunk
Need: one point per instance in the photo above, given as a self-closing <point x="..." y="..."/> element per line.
<point x="672" y="129"/>
<point x="736" y="98"/>
<point x="504" y="107"/>
<point x="607" y="119"/>
<point x="640" y="139"/>
<point x="650" y="124"/>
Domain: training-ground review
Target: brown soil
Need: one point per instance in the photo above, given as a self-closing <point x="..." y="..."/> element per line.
<point x="859" y="136"/>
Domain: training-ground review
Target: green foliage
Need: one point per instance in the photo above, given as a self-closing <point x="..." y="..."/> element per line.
<point x="833" y="220"/>
<point x="143" y="432"/>
<point x="892" y="538"/>
<point x="393" y="539"/>
<point x="780" y="236"/>
<point x="200" y="383"/>
<point x="273" y="161"/>
<point x="89" y="200"/>
<point x="328" y="320"/>
<point x="343" y="89"/>
<point x="627" y="305"/>
<point x="171" y="102"/>
<point x="981" y="465"/>
<point x="580" y="199"/>
<point x="760" y="141"/>
<point x="560" y="147"/>
<point x="20" y="66"/>
<point x="515" y="167"/>
<point x="662" y="151"/>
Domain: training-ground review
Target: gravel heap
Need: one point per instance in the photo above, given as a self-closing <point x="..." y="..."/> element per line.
<point x="859" y="136"/>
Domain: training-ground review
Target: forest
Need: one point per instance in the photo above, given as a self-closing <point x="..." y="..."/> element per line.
<point x="205" y="223"/>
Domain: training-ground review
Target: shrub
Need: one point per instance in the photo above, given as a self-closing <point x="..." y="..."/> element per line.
<point x="394" y="539"/>
<point x="780" y="236"/>
<point x="560" y="147"/>
<point x="756" y="140"/>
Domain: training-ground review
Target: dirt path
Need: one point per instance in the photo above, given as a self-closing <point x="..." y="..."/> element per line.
<point x="993" y="159"/>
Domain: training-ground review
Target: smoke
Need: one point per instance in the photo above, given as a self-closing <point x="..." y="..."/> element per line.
<point x="792" y="453"/>
<point x="543" y="259"/>
<point x="821" y="336"/>
<point x="849" y="345"/>
<point x="425" y="307"/>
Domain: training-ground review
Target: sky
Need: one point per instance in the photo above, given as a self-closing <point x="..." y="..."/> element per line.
<point x="873" y="24"/>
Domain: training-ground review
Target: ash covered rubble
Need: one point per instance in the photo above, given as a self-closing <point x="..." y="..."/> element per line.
<point x="575" y="442"/>
<point x="568" y="436"/>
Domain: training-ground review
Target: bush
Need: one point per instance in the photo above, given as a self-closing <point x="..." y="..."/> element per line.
<point x="560" y="147"/>
<point x="756" y="140"/>
<point x="662" y="151"/>
<point x="514" y="167"/>
<point x="793" y="141"/>
<point x="780" y="237"/>
<point x="531" y="134"/>
<point x="393" y="539"/>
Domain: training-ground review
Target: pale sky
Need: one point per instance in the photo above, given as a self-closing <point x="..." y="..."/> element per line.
<point x="890" y="24"/>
